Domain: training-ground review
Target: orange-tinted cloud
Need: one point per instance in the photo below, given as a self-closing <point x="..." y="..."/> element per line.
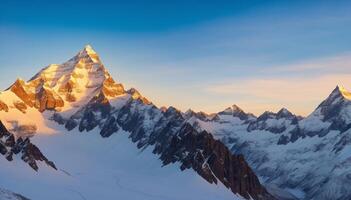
<point x="299" y="87"/>
<point x="301" y="95"/>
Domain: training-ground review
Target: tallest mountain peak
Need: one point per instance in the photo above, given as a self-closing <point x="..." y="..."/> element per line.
<point x="88" y="52"/>
<point x="89" y="49"/>
<point x="77" y="80"/>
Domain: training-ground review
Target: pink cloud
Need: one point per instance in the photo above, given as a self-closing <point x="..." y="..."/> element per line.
<point x="301" y="95"/>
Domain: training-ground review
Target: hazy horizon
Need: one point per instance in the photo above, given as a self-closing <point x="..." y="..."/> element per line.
<point x="259" y="56"/>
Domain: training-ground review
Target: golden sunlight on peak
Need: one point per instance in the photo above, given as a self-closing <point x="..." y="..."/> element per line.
<point x="345" y="93"/>
<point x="89" y="49"/>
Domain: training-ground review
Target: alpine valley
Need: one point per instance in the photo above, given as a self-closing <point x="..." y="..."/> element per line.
<point x="73" y="132"/>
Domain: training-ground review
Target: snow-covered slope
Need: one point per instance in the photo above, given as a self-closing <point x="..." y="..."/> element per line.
<point x="62" y="102"/>
<point x="8" y="195"/>
<point x="93" y="167"/>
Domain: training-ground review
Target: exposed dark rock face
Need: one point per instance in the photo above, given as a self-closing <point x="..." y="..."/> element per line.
<point x="66" y="91"/>
<point x="333" y="114"/>
<point x="344" y="141"/>
<point x="111" y="88"/>
<point x="47" y="100"/>
<point x="109" y="127"/>
<point x="19" y="89"/>
<point x="3" y="106"/>
<point x="200" y="115"/>
<point x="332" y="109"/>
<point x="274" y="122"/>
<point x="44" y="99"/>
<point x="295" y="134"/>
<point x="173" y="139"/>
<point x="283" y="139"/>
<point x="29" y="152"/>
<point x="20" y="106"/>
<point x="213" y="161"/>
<point x="285" y="113"/>
<point x="136" y="95"/>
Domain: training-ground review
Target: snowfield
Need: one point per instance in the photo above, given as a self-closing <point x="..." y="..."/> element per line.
<point x="92" y="167"/>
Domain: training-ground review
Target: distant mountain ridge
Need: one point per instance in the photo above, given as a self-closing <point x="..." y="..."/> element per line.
<point x="294" y="157"/>
<point x="310" y="156"/>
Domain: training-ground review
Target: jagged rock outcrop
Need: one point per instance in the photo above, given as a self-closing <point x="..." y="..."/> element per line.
<point x="29" y="153"/>
<point x="111" y="88"/>
<point x="213" y="161"/>
<point x="47" y="100"/>
<point x="200" y="115"/>
<point x="173" y="139"/>
<point x="21" y="106"/>
<point x="19" y="88"/>
<point x="310" y="155"/>
<point x="335" y="109"/>
<point x="332" y="114"/>
<point x="81" y="94"/>
<point x="3" y="106"/>
<point x="136" y="95"/>
<point x="274" y="122"/>
<point x="35" y="94"/>
<point x="236" y="111"/>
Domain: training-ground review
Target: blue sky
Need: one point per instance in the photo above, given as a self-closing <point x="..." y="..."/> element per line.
<point x="261" y="55"/>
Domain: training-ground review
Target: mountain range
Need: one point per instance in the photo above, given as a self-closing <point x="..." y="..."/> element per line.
<point x="74" y="131"/>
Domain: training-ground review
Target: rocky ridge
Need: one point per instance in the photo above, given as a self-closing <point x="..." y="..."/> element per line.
<point x="29" y="153"/>
<point x="310" y="156"/>
<point x="80" y="93"/>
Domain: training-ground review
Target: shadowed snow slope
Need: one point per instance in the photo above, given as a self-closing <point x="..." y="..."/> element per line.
<point x="92" y="167"/>
<point x="8" y="195"/>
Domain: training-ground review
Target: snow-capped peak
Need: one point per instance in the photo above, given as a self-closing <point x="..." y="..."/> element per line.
<point x="334" y="111"/>
<point x="189" y="112"/>
<point x="283" y="110"/>
<point x="88" y="52"/>
<point x="236" y="108"/>
<point x="77" y="78"/>
<point x="338" y="95"/>
<point x="236" y="111"/>
<point x="284" y="113"/>
<point x="231" y="110"/>
<point x="89" y="49"/>
<point x="71" y="84"/>
<point x="346" y="94"/>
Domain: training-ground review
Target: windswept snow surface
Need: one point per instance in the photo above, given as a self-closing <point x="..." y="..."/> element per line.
<point x="92" y="167"/>
<point x="8" y="195"/>
<point x="310" y="168"/>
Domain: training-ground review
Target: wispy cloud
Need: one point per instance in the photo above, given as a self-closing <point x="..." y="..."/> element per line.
<point x="334" y="64"/>
<point x="301" y="86"/>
